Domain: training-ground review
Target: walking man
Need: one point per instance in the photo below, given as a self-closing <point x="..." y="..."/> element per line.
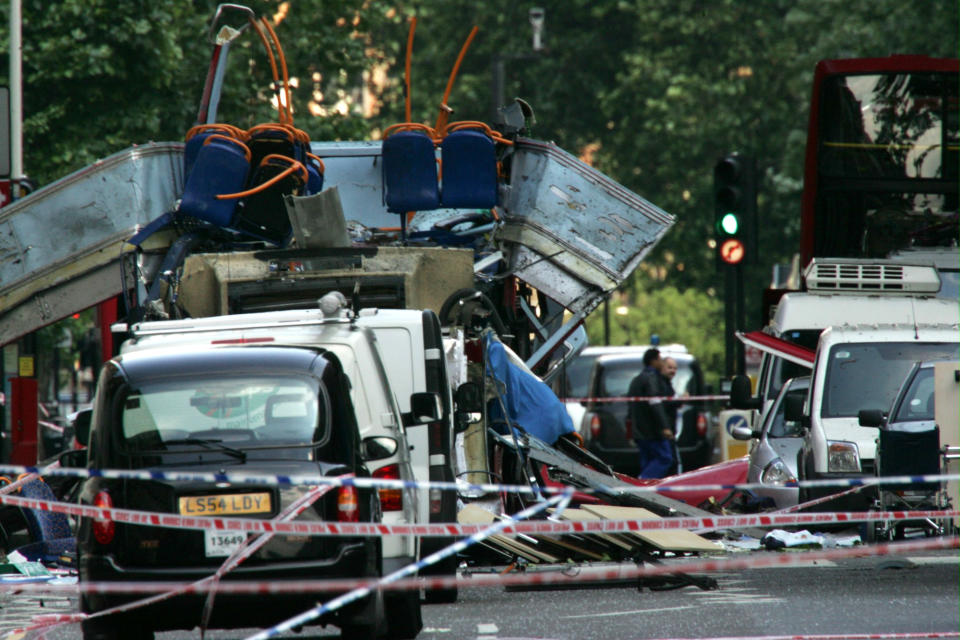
<point x="652" y="430"/>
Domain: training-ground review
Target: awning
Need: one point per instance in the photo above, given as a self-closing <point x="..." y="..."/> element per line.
<point x="777" y="347"/>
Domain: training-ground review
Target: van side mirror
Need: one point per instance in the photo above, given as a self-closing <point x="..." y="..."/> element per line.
<point x="379" y="447"/>
<point x="469" y="403"/>
<point x="469" y="398"/>
<point x="425" y="407"/>
<point x="870" y="417"/>
<point x="743" y="433"/>
<point x="73" y="458"/>
<point x="741" y="394"/>
<point x="793" y="410"/>
<point x="81" y="426"/>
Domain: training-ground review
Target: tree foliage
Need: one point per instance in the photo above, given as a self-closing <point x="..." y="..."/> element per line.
<point x="671" y="315"/>
<point x="101" y="75"/>
<point x="653" y="91"/>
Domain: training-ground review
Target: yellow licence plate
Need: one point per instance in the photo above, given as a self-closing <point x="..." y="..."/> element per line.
<point x="224" y="504"/>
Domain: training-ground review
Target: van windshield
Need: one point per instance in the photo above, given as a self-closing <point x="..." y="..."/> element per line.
<point x="233" y="411"/>
<point x="868" y="375"/>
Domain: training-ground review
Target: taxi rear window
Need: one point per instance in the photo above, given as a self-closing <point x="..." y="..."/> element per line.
<point x="236" y="410"/>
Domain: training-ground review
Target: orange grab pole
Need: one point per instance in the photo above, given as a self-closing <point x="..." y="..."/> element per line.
<point x="413" y="27"/>
<point x="444" y="109"/>
<point x="283" y="67"/>
<point x="273" y="68"/>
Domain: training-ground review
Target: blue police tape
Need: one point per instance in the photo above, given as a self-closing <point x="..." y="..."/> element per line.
<point x="382" y="483"/>
<point x="561" y="501"/>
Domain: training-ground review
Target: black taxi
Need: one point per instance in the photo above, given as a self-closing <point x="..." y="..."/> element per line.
<point x="275" y="411"/>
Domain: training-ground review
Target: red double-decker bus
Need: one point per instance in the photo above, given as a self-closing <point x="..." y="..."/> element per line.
<point x="881" y="167"/>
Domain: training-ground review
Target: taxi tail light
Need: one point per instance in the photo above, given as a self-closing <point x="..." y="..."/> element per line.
<point x="103" y="530"/>
<point x="595" y="426"/>
<point x="390" y="499"/>
<point x="348" y="504"/>
<point x="701" y="425"/>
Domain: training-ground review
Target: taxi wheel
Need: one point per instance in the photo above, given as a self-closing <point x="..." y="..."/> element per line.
<point x="868" y="531"/>
<point x="443" y="595"/>
<point x="358" y="632"/>
<point x="404" y="617"/>
<point x="104" y="630"/>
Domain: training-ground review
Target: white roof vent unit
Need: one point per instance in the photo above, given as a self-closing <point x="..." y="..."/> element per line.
<point x="873" y="277"/>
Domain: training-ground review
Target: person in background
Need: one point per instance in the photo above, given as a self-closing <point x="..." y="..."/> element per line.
<point x="651" y="426"/>
<point x="668" y="369"/>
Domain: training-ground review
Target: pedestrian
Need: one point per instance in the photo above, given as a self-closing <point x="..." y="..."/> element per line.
<point x="652" y="431"/>
<point x="668" y="369"/>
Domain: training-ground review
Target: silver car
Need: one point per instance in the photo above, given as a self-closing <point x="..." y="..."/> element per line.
<point x="773" y="457"/>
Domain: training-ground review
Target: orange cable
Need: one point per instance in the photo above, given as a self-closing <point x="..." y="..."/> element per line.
<point x="228" y="129"/>
<point x="296" y="165"/>
<point x="323" y="167"/>
<point x="476" y="124"/>
<point x="413" y="126"/>
<point x="220" y="136"/>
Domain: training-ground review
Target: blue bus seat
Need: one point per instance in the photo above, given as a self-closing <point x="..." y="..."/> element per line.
<point x="410" y="172"/>
<point x="49" y="532"/>
<point x="221" y="167"/>
<point x="469" y="170"/>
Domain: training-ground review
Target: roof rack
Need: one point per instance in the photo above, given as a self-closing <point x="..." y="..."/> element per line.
<point x="880" y="277"/>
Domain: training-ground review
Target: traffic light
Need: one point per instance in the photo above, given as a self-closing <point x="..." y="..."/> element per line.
<point x="735" y="205"/>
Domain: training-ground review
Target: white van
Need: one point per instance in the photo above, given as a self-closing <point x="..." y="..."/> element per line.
<point x="845" y="291"/>
<point x="393" y="359"/>
<point x="861" y="367"/>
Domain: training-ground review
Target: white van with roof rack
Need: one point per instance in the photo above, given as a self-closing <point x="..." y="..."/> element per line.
<point x="847" y="291"/>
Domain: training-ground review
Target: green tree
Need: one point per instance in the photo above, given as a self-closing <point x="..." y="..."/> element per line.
<point x="673" y="315"/>
<point x="101" y="75"/>
<point x="656" y="89"/>
<point x="700" y="79"/>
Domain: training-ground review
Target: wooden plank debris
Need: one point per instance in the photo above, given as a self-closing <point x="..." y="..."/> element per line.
<point x="665" y="540"/>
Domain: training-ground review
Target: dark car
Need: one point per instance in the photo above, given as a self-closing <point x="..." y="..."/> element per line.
<point x="606" y="429"/>
<point x="909" y="444"/>
<point x="251" y="410"/>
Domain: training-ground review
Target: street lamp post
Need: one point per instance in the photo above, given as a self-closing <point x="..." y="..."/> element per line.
<point x="537" y="17"/>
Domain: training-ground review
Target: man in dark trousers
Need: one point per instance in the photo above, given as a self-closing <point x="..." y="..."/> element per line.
<point x="668" y="369"/>
<point x="651" y="427"/>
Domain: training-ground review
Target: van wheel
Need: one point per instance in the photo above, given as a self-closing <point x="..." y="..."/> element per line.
<point x="803" y="494"/>
<point x="404" y="617"/>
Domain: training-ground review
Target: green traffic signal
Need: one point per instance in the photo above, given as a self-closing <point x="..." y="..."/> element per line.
<point x="730" y="224"/>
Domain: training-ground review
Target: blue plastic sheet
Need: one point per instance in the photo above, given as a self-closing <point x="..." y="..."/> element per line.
<point x="530" y="404"/>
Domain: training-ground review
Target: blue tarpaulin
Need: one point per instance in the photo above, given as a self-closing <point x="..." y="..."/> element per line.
<point x="530" y="404"/>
